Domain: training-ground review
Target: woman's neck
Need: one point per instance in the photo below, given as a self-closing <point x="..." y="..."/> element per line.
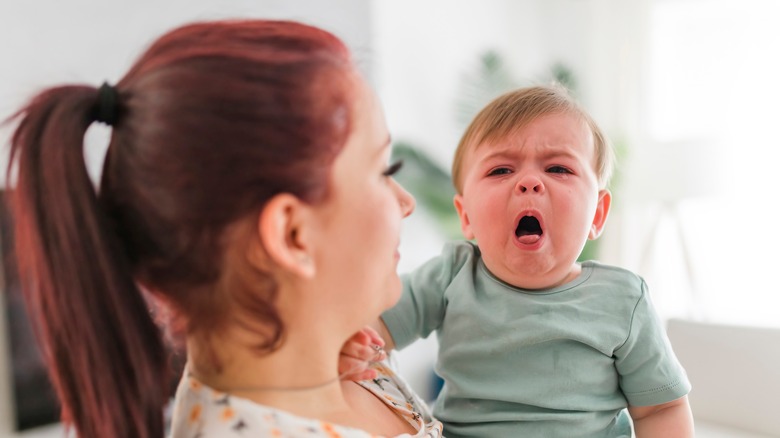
<point x="300" y="377"/>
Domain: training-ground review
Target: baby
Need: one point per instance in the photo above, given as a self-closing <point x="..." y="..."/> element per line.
<point x="533" y="343"/>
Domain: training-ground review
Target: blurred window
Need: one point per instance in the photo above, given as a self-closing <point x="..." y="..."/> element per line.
<point x="713" y="74"/>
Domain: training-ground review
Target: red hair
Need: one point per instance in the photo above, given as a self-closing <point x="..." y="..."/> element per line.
<point x="213" y="120"/>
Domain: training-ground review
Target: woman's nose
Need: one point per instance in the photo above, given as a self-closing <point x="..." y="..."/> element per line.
<point x="406" y="201"/>
<point x="530" y="184"/>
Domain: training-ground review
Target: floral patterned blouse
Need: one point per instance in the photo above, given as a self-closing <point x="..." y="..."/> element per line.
<point x="202" y="412"/>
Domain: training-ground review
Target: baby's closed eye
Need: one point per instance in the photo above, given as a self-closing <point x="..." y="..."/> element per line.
<point x="559" y="169"/>
<point x="500" y="171"/>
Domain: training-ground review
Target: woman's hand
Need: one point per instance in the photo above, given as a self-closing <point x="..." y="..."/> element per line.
<point x="358" y="352"/>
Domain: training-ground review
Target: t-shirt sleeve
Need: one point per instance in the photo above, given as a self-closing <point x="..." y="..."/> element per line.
<point x="649" y="371"/>
<point x="421" y="308"/>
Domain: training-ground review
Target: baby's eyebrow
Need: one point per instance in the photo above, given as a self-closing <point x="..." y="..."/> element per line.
<point x="556" y="153"/>
<point x="546" y="154"/>
<point x="501" y="154"/>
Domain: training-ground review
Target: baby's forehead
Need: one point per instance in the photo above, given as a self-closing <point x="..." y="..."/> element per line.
<point x="553" y="135"/>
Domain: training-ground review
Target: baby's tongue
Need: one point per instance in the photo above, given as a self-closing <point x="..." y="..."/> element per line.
<point x="529" y="239"/>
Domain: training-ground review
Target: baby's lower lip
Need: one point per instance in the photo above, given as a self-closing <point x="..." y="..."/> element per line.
<point x="529" y="242"/>
<point x="529" y="239"/>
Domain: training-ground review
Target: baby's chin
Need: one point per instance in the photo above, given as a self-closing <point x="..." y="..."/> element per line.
<point x="535" y="273"/>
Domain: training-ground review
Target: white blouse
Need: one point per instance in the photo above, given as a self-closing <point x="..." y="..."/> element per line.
<point x="202" y="412"/>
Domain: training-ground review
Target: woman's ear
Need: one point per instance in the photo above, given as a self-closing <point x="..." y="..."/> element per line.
<point x="602" y="211"/>
<point x="283" y="233"/>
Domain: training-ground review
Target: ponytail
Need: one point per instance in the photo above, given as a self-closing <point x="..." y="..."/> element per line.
<point x="104" y="353"/>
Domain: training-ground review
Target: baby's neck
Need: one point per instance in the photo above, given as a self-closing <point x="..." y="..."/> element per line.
<point x="539" y="282"/>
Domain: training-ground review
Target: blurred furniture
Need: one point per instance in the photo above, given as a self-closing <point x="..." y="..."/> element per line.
<point x="662" y="176"/>
<point x="735" y="374"/>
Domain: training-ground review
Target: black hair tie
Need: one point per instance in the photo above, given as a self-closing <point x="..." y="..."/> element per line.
<point x="107" y="110"/>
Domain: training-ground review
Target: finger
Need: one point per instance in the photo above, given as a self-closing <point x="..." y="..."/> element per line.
<point x="373" y="336"/>
<point x="360" y="352"/>
<point x="350" y="365"/>
<point x="362" y="337"/>
<point x="379" y="356"/>
<point x="365" y="375"/>
<point x="355" y="373"/>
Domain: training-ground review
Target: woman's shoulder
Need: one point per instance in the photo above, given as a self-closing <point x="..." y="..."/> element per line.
<point x="398" y="395"/>
<point x="202" y="412"/>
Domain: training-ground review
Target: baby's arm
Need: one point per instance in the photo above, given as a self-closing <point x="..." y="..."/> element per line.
<point x="672" y="419"/>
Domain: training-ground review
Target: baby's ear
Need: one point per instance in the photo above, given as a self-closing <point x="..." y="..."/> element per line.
<point x="465" y="225"/>
<point x="602" y="211"/>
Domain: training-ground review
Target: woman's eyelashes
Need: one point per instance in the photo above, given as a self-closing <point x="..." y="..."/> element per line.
<point x="393" y="168"/>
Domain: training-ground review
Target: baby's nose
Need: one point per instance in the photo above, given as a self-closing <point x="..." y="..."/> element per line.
<point x="530" y="184"/>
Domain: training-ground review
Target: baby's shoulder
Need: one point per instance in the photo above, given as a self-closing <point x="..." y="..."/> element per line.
<point x="614" y="277"/>
<point x="460" y="252"/>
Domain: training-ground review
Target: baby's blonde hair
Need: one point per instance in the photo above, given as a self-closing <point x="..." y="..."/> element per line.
<point x="510" y="112"/>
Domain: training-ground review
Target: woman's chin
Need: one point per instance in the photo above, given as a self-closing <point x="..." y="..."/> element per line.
<point x="394" y="293"/>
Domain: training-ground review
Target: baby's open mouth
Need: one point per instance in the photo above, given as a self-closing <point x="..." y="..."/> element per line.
<point x="528" y="230"/>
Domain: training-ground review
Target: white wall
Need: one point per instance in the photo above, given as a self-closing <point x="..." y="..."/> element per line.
<point x="47" y="42"/>
<point x="711" y="80"/>
<point x="425" y="48"/>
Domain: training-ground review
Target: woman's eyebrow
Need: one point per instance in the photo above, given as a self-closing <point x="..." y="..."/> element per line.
<point x="384" y="145"/>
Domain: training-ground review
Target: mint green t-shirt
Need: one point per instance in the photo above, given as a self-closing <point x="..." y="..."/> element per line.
<point x="560" y="362"/>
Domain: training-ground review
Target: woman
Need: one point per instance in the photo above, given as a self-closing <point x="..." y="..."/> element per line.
<point x="245" y="195"/>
